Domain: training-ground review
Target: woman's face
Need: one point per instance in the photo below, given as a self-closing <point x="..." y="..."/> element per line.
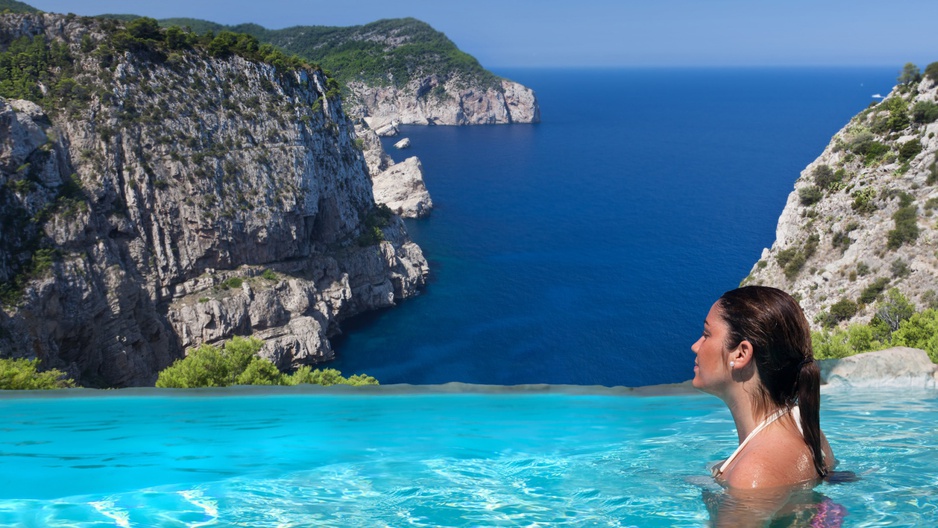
<point x="711" y="367"/>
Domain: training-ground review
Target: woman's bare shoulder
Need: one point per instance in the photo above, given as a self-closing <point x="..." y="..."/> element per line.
<point x="779" y="459"/>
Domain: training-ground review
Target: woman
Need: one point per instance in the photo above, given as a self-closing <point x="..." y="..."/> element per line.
<point x="755" y="355"/>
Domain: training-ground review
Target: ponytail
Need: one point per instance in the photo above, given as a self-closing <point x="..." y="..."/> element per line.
<point x="809" y="403"/>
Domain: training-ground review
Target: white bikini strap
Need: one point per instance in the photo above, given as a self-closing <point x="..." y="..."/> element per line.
<point x="765" y="423"/>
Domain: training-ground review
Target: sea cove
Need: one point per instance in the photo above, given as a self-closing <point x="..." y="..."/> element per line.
<point x="587" y="249"/>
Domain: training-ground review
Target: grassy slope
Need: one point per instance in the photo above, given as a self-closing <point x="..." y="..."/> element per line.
<point x="386" y="52"/>
<point x="16" y="7"/>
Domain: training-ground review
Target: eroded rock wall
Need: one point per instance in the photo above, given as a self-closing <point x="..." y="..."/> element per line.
<point x="183" y="200"/>
<point x="433" y="100"/>
<point x="861" y="218"/>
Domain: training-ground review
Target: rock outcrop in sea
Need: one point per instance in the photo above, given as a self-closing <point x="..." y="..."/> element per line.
<point x="861" y="218"/>
<point x="161" y="198"/>
<point x="399" y="186"/>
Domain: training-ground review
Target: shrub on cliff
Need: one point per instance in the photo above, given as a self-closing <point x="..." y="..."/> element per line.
<point x="871" y="292"/>
<point x="825" y="178"/>
<point x="909" y="150"/>
<point x="843" y="309"/>
<point x="236" y="363"/>
<point x="810" y="195"/>
<point x="24" y="374"/>
<point x="924" y="112"/>
<point x="906" y="219"/>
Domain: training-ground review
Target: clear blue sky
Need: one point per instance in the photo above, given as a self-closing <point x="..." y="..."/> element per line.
<point x="512" y="33"/>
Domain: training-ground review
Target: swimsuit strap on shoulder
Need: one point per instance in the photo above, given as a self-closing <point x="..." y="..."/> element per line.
<point x="765" y="423"/>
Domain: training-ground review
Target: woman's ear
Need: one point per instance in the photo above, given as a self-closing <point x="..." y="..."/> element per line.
<point x="742" y="354"/>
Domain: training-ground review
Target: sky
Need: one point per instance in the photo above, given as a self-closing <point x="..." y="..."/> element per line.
<point x="606" y="33"/>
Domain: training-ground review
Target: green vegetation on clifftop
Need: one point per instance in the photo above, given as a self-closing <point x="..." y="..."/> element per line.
<point x="389" y="52"/>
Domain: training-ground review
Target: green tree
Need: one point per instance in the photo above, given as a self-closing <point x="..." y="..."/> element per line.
<point x="24" y="374"/>
<point x="210" y="366"/>
<point x="306" y="375"/>
<point x="834" y="344"/>
<point x="910" y="74"/>
<point x="237" y="363"/>
<point x="894" y="309"/>
<point x="931" y="71"/>
<point x="145" y="28"/>
<point x="259" y="372"/>
<point x="919" y="331"/>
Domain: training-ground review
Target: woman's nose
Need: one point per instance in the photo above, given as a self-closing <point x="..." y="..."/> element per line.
<point x="696" y="345"/>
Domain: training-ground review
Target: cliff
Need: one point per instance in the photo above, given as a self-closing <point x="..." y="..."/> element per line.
<point x="444" y="100"/>
<point x="860" y="219"/>
<point x="399" y="70"/>
<point x="167" y="192"/>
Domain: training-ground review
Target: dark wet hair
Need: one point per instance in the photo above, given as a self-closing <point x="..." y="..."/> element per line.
<point x="773" y="322"/>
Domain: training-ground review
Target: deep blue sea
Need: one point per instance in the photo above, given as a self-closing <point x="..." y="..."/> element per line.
<point x="588" y="248"/>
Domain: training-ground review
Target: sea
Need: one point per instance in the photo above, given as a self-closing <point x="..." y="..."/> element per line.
<point x="587" y="249"/>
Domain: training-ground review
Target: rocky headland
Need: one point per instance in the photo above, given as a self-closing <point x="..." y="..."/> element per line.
<point x="404" y="71"/>
<point x="861" y="218"/>
<point x="158" y="192"/>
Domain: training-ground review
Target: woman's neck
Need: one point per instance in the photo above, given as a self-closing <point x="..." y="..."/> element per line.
<point x="746" y="415"/>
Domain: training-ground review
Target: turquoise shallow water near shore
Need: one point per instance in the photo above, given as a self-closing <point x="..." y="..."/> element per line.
<point x="587" y="249"/>
<point x="596" y="457"/>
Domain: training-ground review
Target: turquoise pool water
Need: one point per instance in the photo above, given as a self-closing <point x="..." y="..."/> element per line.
<point x="554" y="458"/>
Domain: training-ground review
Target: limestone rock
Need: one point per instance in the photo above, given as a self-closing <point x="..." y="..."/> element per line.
<point x="184" y="200"/>
<point x="521" y="102"/>
<point x="376" y="158"/>
<point x="894" y="367"/>
<point x="401" y="188"/>
<point x="388" y="130"/>
<point x="436" y="100"/>
<point x="832" y="239"/>
<point x="402" y="144"/>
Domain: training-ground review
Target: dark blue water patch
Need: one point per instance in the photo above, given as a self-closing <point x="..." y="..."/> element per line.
<point x="588" y="248"/>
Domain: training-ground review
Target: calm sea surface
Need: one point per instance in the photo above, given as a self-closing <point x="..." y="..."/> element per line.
<point x="588" y="248"/>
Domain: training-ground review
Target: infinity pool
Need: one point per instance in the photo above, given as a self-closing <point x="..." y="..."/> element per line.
<point x="395" y="457"/>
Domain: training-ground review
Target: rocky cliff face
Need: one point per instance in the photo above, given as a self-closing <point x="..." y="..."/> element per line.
<point x="399" y="186"/>
<point x="861" y="217"/>
<point x="433" y="100"/>
<point x="163" y="200"/>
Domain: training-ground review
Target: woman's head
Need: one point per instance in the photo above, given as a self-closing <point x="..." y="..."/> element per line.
<point x="773" y="323"/>
<point x="779" y="338"/>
